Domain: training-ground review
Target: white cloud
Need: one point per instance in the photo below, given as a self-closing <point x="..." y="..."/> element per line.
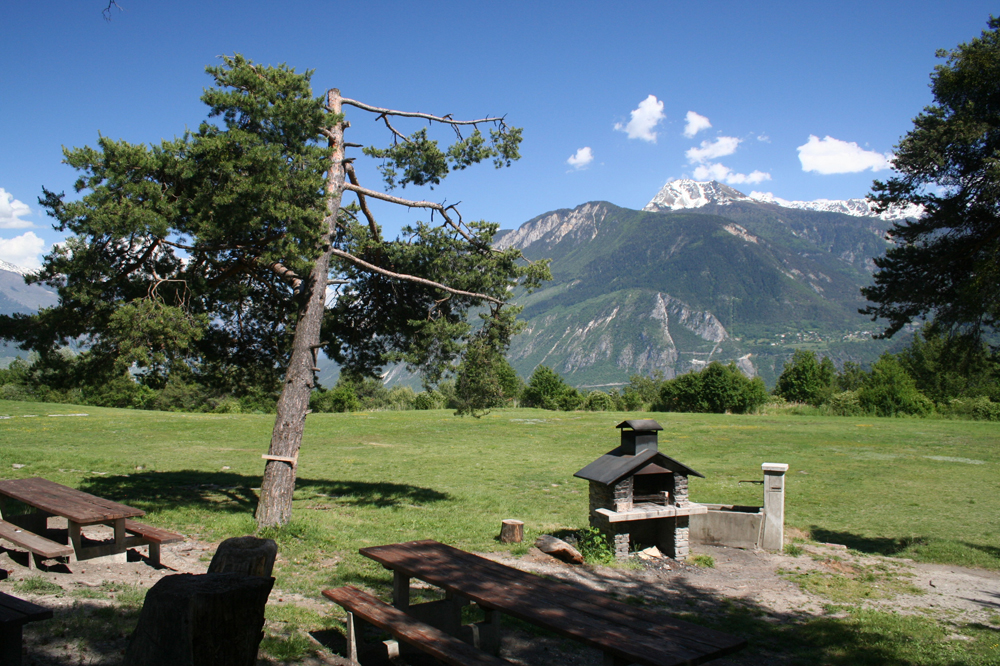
<point x="581" y="159"/>
<point x="23" y="250"/>
<point x="695" y="124"/>
<point x="722" y="146"/>
<point x="722" y="173"/>
<point x="829" y="155"/>
<point x="644" y="119"/>
<point x="764" y="138"/>
<point x="11" y="211"/>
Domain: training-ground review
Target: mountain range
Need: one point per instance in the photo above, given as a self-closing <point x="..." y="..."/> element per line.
<point x="702" y="273"/>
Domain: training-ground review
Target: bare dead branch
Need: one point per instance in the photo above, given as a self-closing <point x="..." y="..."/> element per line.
<point x="448" y="120"/>
<point x="361" y="263"/>
<point x="375" y="194"/>
<point x="106" y="13"/>
<point x="372" y="225"/>
<point x="384" y="118"/>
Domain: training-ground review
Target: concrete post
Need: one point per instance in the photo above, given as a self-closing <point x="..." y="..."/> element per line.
<point x="773" y="537"/>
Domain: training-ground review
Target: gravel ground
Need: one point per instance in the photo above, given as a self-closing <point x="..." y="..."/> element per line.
<point x="743" y="577"/>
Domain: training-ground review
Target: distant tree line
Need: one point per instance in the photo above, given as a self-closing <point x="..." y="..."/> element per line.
<point x="939" y="373"/>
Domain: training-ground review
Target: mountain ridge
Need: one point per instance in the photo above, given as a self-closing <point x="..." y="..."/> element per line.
<point x="684" y="193"/>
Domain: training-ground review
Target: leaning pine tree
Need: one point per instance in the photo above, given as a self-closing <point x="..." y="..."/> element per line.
<point x="230" y="256"/>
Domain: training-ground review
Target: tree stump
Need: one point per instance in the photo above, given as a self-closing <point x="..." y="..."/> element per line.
<point x="511" y="531"/>
<point x="245" y="555"/>
<point x="211" y="619"/>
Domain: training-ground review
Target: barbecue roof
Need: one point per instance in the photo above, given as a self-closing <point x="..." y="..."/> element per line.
<point x="640" y="424"/>
<point x="614" y="466"/>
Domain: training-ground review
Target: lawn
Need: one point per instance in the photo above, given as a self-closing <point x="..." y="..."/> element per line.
<point x="925" y="489"/>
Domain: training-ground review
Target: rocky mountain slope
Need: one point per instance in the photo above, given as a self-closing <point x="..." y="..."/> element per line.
<point x="703" y="273"/>
<point x="18" y="297"/>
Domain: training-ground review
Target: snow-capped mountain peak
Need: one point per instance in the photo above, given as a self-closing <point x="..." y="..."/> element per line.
<point x="4" y="266"/>
<point x="678" y="194"/>
<point x="684" y="193"/>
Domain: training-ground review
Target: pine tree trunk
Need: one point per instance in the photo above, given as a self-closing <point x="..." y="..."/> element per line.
<point x="275" y="506"/>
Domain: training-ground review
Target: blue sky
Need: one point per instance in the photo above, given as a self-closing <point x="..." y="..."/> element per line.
<point x="801" y="99"/>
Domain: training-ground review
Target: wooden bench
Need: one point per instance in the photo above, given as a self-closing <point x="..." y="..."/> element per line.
<point x="405" y="628"/>
<point x="38" y="547"/>
<point x="14" y="614"/>
<point x="154" y="535"/>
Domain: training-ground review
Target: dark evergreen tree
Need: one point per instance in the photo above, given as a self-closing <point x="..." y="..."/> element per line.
<point x="945" y="265"/>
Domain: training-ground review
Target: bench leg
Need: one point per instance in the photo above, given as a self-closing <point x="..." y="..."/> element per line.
<point x="154" y="553"/>
<point x="486" y="634"/>
<point x="10" y="645"/>
<point x="352" y="640"/>
<point x="73" y="529"/>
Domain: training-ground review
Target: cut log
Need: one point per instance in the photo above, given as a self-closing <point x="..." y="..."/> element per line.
<point x="245" y="555"/>
<point x="511" y="531"/>
<point x="211" y="619"/>
<point x="558" y="548"/>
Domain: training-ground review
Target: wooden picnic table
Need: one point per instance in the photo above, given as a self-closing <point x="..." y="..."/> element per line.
<point x="80" y="509"/>
<point x="625" y="634"/>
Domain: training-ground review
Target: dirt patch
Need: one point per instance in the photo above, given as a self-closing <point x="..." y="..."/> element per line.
<point x="778" y="586"/>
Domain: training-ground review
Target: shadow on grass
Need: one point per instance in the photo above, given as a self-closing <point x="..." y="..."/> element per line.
<point x="236" y="493"/>
<point x="872" y="545"/>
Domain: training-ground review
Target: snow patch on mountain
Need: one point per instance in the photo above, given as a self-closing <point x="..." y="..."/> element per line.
<point x="684" y="193"/>
<point x="680" y="194"/>
<point x="854" y="207"/>
<point x="11" y="268"/>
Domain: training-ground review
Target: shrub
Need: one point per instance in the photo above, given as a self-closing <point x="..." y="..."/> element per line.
<point x="890" y="391"/>
<point x="845" y="403"/>
<point x="428" y="400"/>
<point x="599" y="401"/>
<point x="806" y="379"/>
<point x="717" y="389"/>
<point x="340" y="398"/>
<point x="594" y="546"/>
<point x="982" y="409"/>
<point x="547" y="390"/>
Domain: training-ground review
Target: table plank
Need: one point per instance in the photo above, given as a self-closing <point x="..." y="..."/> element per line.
<point x="19" y="611"/>
<point x="577" y="613"/>
<point x="61" y="500"/>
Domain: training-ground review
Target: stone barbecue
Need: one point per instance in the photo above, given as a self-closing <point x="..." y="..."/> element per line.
<point x="639" y="496"/>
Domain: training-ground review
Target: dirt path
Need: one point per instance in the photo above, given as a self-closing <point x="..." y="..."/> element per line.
<point x="756" y="580"/>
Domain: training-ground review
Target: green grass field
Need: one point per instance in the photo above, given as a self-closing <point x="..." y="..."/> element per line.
<point x="925" y="489"/>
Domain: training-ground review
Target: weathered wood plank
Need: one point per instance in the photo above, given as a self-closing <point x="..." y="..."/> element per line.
<point x="33" y="542"/>
<point x="154" y="534"/>
<point x="61" y="500"/>
<point x="422" y="636"/>
<point x="577" y="613"/>
<point x="19" y="611"/>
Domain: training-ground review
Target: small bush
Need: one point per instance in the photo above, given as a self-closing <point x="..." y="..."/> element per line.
<point x="547" y="390"/>
<point x="982" y="409"/>
<point x="806" y="379"/>
<point x="428" y="400"/>
<point x="890" y="391"/>
<point x="706" y="561"/>
<point x="595" y="546"/>
<point x="599" y="401"/>
<point x="845" y="403"/>
<point x="716" y="389"/>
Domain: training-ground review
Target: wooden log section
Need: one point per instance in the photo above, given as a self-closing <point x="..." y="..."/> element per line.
<point x="511" y="531"/>
<point x="245" y="555"/>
